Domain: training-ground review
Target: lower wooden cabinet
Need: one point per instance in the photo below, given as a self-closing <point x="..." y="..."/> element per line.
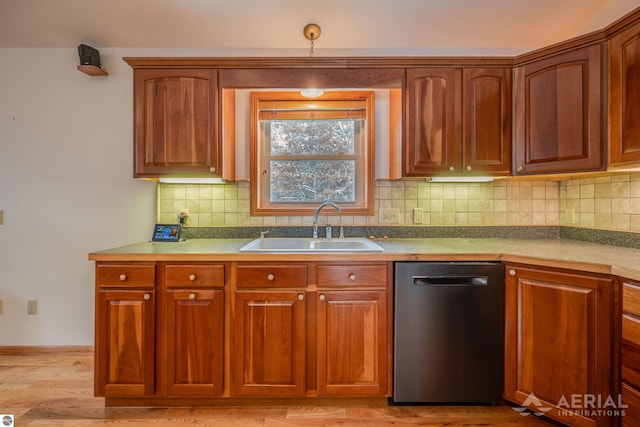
<point x="269" y="343"/>
<point x="352" y="342"/>
<point x="558" y="343"/>
<point x="125" y="330"/>
<point x="329" y="341"/>
<point x="630" y="352"/>
<point x="193" y="365"/>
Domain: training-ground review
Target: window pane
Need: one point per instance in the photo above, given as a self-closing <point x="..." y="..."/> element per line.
<point x="306" y="181"/>
<point x="312" y="137"/>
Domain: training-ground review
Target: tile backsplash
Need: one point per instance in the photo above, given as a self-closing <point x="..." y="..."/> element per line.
<point x="610" y="202"/>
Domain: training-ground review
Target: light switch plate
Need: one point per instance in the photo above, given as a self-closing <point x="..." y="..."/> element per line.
<point x="417" y="215"/>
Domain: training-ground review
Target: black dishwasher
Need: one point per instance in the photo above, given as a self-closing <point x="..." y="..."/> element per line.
<point x="448" y="332"/>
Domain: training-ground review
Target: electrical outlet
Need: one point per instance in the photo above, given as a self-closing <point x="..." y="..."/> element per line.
<point x="417" y="215"/>
<point x="1" y="306"/>
<point x="1" y="217"/>
<point x="389" y="216"/>
<point x="32" y="306"/>
<point x="569" y="216"/>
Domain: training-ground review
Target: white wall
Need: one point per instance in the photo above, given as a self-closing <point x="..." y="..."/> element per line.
<point x="66" y="187"/>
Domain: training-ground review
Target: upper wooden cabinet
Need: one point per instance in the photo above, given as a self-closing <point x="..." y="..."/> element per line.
<point x="458" y="121"/>
<point x="624" y="97"/>
<point x="558" y="113"/>
<point x="176" y="123"/>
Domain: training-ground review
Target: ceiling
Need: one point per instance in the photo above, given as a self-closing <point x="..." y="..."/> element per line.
<point x="401" y="26"/>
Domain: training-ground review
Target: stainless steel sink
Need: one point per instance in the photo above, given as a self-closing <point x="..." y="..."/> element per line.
<point x="301" y="244"/>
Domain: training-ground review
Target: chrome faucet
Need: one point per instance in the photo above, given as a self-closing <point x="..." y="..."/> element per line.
<point x="315" y="219"/>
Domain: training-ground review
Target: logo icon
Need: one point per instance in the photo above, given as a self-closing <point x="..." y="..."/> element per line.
<point x="7" y="420"/>
<point x="532" y="401"/>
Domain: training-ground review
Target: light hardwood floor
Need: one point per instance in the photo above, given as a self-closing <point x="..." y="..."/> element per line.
<point x="54" y="387"/>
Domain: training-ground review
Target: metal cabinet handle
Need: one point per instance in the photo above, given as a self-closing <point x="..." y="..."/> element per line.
<point x="123" y="277"/>
<point x="212" y="169"/>
<point x="352" y="277"/>
<point x="192" y="277"/>
<point x="147" y="297"/>
<point x="512" y="272"/>
<point x="322" y="298"/>
<point x="452" y="169"/>
<point x="520" y="169"/>
<point x="469" y="168"/>
<point x="300" y="297"/>
<point x="271" y="277"/>
<point x="192" y="296"/>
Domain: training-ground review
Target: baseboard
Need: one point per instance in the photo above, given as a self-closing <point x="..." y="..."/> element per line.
<point x="45" y="349"/>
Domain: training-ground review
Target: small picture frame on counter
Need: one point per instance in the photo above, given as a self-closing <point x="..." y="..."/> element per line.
<point x="166" y="233"/>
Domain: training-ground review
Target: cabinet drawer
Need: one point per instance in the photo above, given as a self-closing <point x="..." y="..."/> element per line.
<point x="630" y="353"/>
<point x="630" y="397"/>
<point x="194" y="275"/>
<point x="352" y="275"/>
<point x="275" y="276"/>
<point x="631" y="299"/>
<point x="126" y="275"/>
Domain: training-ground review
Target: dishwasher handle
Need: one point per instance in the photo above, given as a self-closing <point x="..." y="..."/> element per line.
<point x="450" y="280"/>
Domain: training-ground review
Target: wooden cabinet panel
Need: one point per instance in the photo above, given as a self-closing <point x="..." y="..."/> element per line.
<point x="125" y="339"/>
<point x="433" y="124"/>
<point x="175" y="115"/>
<point x="194" y="328"/>
<point x="558" y="107"/>
<point x="458" y="121"/>
<point x="352" y="343"/>
<point x="558" y="339"/>
<point x="269" y="336"/>
<point x="271" y="275"/>
<point x="486" y="104"/>
<point x="631" y="299"/>
<point x="630" y="352"/>
<point x="194" y="275"/>
<point x="624" y="97"/>
<point x="125" y="275"/>
<point x="631" y="398"/>
<point x="352" y="275"/>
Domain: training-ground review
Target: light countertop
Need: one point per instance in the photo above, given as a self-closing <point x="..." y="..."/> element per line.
<point x="561" y="253"/>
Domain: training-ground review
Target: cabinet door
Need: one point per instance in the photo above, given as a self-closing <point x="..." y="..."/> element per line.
<point x="195" y="325"/>
<point x="176" y="122"/>
<point x="269" y="341"/>
<point x="558" y="105"/>
<point x="558" y="341"/>
<point x="352" y="343"/>
<point x="486" y="104"/>
<point x="433" y="124"/>
<point x="624" y="97"/>
<point x="124" y="350"/>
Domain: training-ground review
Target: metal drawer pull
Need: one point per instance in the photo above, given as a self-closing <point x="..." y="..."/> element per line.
<point x="123" y="277"/>
<point x="192" y="277"/>
<point x="512" y="272"/>
<point x="147" y="297"/>
<point x="300" y="297"/>
<point x="271" y="277"/>
<point x="352" y="276"/>
<point x="192" y="296"/>
<point x="322" y="298"/>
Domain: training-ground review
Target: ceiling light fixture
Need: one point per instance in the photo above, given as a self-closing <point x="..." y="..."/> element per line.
<point x="311" y="93"/>
<point x="312" y="33"/>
